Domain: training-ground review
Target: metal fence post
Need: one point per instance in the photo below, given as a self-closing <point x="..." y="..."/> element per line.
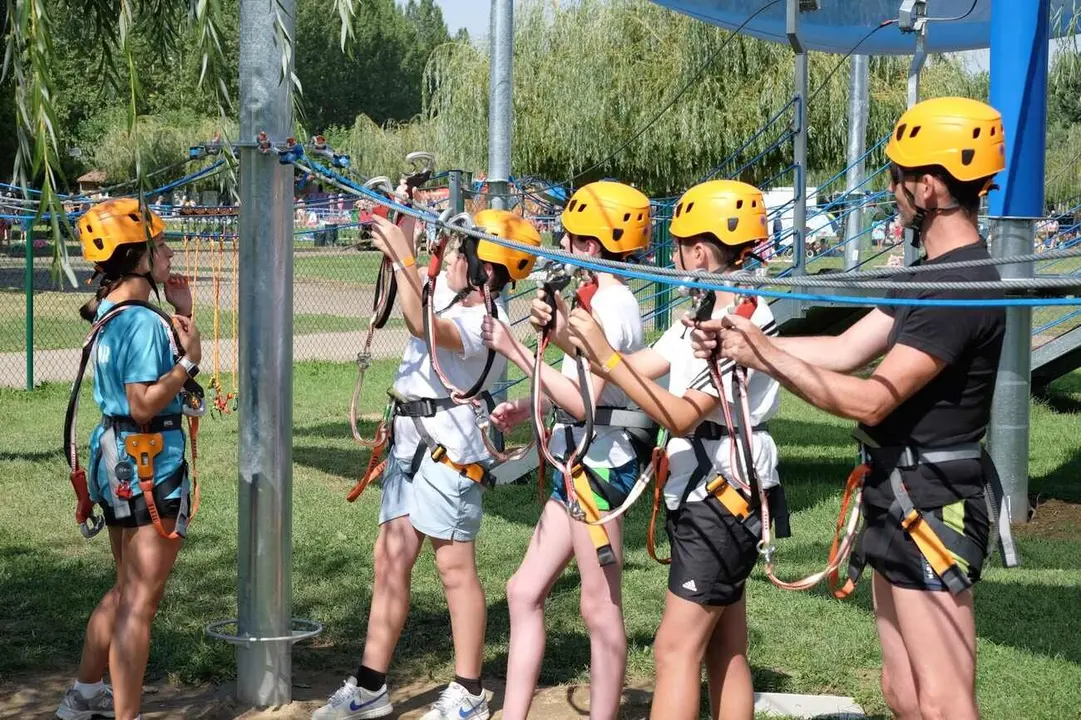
<point x="28" y="231"/>
<point x="857" y="144"/>
<point x="799" y="214"/>
<point x="662" y="310"/>
<point x="264" y="597"/>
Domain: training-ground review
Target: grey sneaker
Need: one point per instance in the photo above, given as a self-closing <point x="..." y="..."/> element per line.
<point x="75" y="707"/>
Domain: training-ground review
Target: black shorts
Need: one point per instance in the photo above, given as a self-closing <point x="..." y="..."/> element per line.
<point x="712" y="553"/>
<point x="896" y="557"/>
<point x="140" y="516"/>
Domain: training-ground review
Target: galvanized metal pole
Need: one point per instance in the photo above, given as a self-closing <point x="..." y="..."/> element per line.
<point x="858" y="108"/>
<point x="264" y="551"/>
<point x="500" y="119"/>
<point x="500" y="101"/>
<point x="912" y="253"/>
<point x="799" y="214"/>
<point x="28" y="240"/>
<point x="1019" y="59"/>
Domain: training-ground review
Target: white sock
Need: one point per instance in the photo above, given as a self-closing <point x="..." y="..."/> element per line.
<point x="88" y="690"/>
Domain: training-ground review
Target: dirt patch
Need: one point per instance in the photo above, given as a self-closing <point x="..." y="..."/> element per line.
<point x="39" y="696"/>
<point x="1053" y="520"/>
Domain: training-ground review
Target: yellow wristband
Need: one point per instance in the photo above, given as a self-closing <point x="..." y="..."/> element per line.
<point x="612" y="361"/>
<point x="407" y="263"/>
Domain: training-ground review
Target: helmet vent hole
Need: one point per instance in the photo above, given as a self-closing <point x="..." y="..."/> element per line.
<point x="967" y="156"/>
<point x="690" y="206"/>
<point x="626" y="217"/>
<point x="993" y="129"/>
<point x="572" y="205"/>
<point x="976" y="134"/>
<point x="522" y="264"/>
<point x="639" y="216"/>
<point x="617" y="234"/>
<point x="679" y="209"/>
<point x="739" y="204"/>
<point x="915" y="131"/>
<point x="733" y="223"/>
<point x="901" y="132"/>
<point x="99" y="244"/>
<point x="134" y="217"/>
<point x="754" y="203"/>
<point x="582" y="207"/>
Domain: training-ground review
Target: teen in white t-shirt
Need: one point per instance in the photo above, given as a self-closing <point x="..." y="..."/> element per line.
<point x="610" y="220"/>
<point x="437" y="499"/>
<point x="715" y="226"/>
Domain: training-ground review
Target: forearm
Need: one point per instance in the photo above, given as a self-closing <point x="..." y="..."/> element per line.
<point x="155" y="397"/>
<point x="820" y="351"/>
<point x="838" y="394"/>
<point x="409" y="288"/>
<point x="564" y="392"/>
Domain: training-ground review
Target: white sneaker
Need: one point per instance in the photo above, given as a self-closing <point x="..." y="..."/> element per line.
<point x="75" y="707"/>
<point x="352" y="702"/>
<point x="455" y="703"/>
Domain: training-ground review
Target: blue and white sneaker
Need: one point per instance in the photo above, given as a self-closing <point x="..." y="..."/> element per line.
<point x="455" y="703"/>
<point x="352" y="702"/>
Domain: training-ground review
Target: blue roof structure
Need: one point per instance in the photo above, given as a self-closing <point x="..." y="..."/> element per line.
<point x="840" y="24"/>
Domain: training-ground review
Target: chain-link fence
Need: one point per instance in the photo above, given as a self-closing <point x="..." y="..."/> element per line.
<point x="334" y="275"/>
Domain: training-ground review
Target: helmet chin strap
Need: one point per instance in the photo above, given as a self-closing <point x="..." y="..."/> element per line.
<point x="920" y="216"/>
<point x="149" y="278"/>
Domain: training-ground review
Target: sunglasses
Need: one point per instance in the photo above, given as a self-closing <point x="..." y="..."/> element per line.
<point x="897" y="174"/>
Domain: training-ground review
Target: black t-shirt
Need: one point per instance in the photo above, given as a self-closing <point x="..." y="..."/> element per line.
<point x="955" y="406"/>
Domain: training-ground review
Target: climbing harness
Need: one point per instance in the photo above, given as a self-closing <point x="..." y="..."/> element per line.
<point x="386" y="289"/>
<point x="143" y="444"/>
<point x="946" y="549"/>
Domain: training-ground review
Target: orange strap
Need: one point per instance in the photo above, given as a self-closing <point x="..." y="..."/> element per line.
<point x="598" y="534"/>
<point x="852" y="485"/>
<point x="473" y="471"/>
<point x="85" y="506"/>
<point x="144" y="447"/>
<point x="728" y="496"/>
<point x="376" y="464"/>
<point x="660" y="477"/>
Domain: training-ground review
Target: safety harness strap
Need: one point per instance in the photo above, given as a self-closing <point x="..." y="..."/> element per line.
<point x="473" y="471"/>
<point x="608" y="416"/>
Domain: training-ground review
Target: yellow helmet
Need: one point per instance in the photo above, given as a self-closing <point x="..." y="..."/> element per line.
<point x="110" y="224"/>
<point x="505" y="224"/>
<point x="732" y="211"/>
<point x="962" y="136"/>
<point x="614" y="213"/>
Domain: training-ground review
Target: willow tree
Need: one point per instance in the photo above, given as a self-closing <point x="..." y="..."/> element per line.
<point x="589" y="74"/>
<point x="110" y="59"/>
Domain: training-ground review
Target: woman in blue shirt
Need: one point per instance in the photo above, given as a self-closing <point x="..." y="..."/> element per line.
<point x="140" y="367"/>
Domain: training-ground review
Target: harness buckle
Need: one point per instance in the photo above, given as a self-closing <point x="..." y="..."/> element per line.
<point x="438" y="453"/>
<point x="364" y="360"/>
<point x="767" y="551"/>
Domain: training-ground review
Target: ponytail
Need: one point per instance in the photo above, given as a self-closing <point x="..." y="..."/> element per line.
<point x="112" y="271"/>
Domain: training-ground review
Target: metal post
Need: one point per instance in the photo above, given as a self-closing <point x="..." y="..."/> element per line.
<point x="912" y="253"/>
<point x="500" y="101"/>
<point x="858" y="108"/>
<point x="264" y="597"/>
<point x="799" y="214"/>
<point x="500" y="115"/>
<point x="1019" y="59"/>
<point x="662" y="303"/>
<point x="457" y="199"/>
<point x="28" y="231"/>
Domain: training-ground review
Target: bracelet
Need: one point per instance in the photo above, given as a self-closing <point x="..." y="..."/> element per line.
<point x="612" y="361"/>
<point x="407" y="263"/>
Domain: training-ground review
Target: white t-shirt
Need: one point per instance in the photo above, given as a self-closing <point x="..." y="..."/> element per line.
<point x="616" y="309"/>
<point x="763" y="399"/>
<point x="456" y="428"/>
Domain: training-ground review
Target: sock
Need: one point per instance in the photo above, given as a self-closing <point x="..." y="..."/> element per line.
<point x="470" y="684"/>
<point x="370" y="679"/>
<point x="88" y="690"/>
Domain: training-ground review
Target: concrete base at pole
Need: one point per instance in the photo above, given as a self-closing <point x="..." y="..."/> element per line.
<point x="1008" y="434"/>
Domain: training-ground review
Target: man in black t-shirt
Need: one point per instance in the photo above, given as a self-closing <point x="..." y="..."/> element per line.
<point x="921" y="413"/>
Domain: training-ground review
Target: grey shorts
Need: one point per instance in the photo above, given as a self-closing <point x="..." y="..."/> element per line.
<point x="439" y="501"/>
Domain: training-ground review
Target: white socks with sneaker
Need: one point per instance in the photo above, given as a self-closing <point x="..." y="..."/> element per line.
<point x="89" y="690"/>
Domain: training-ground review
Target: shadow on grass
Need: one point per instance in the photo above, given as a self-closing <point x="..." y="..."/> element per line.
<point x="1039" y="619"/>
<point x="1061" y="483"/>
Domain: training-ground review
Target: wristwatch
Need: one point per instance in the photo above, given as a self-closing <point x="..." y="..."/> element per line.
<point x="189" y="367"/>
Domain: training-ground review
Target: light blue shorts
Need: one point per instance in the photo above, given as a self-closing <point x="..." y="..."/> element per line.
<point x="440" y="502"/>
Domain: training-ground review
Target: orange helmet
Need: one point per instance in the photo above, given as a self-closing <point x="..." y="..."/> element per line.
<point x="614" y="213"/>
<point x="506" y="224"/>
<point x="731" y="211"/>
<point x="962" y="136"/>
<point x="110" y="224"/>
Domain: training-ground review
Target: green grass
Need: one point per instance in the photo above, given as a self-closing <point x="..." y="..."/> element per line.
<point x="1029" y="630"/>
<point x="58" y="325"/>
<point x="345" y="266"/>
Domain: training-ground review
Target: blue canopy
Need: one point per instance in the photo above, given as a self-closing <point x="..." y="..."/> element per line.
<point x="840" y="24"/>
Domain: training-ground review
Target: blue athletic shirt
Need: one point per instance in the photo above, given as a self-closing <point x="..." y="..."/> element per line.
<point x="133" y="347"/>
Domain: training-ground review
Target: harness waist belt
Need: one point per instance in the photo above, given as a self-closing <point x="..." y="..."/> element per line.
<point x="474" y="471"/>
<point x="610" y="416"/>
<point x="715" y="431"/>
<point x="422" y="407"/>
<point x="124" y="423"/>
